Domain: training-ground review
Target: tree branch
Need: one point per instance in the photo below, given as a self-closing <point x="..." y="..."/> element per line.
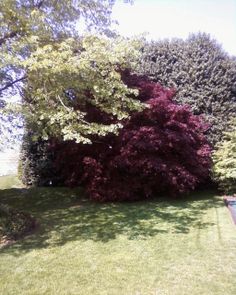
<point x="10" y="84"/>
<point x="14" y="33"/>
<point x="8" y="36"/>
<point x="39" y="4"/>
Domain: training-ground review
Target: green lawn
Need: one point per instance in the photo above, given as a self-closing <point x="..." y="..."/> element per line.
<point x="155" y="247"/>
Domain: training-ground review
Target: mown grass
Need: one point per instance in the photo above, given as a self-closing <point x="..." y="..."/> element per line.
<point x="154" y="247"/>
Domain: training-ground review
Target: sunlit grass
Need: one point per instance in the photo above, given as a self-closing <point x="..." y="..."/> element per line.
<point x="9" y="181"/>
<point x="155" y="247"/>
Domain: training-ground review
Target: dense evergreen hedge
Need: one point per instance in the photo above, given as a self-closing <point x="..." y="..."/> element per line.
<point x="201" y="72"/>
<point x="35" y="164"/>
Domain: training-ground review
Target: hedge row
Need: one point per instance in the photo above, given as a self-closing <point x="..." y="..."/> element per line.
<point x="201" y="72"/>
<point x="35" y="165"/>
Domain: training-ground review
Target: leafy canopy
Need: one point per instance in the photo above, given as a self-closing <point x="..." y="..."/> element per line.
<point x="47" y="21"/>
<point x="64" y="78"/>
<point x="201" y="72"/>
<point x="159" y="150"/>
<point x="43" y="57"/>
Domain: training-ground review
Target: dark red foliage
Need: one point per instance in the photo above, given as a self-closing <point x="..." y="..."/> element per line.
<point x="147" y="88"/>
<point x="159" y="150"/>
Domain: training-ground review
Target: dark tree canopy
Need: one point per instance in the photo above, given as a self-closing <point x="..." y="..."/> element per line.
<point x="201" y="72"/>
<point x="159" y="150"/>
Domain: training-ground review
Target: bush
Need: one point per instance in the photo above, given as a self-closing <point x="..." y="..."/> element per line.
<point x="160" y="150"/>
<point x="68" y="162"/>
<point x="35" y="164"/>
<point x="15" y="224"/>
<point x="224" y="158"/>
<point x="203" y="74"/>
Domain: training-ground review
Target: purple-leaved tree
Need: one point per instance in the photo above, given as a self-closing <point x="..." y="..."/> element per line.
<point x="162" y="149"/>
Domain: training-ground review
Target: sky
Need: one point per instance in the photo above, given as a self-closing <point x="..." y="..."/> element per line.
<point x="177" y="18"/>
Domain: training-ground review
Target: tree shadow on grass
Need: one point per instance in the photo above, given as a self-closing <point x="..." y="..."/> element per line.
<point x="66" y="215"/>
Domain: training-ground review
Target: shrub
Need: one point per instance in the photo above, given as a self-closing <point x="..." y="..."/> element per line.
<point x="224" y="158"/>
<point x="159" y="150"/>
<point x="15" y="224"/>
<point x="35" y="164"/>
<point x="68" y="162"/>
<point x="203" y="74"/>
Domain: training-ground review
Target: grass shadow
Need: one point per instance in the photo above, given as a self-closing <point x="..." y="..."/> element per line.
<point x="66" y="215"/>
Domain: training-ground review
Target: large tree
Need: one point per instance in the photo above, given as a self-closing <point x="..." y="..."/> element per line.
<point x="159" y="150"/>
<point x="48" y="21"/>
<point x="44" y="59"/>
<point x="201" y="72"/>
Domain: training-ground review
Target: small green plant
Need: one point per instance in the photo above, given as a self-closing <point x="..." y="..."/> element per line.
<point x="13" y="223"/>
<point x="224" y="158"/>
